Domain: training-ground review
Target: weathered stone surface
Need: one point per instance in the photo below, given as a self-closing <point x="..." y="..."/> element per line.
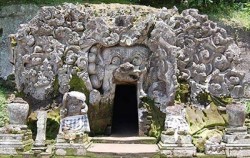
<point x="175" y="119"/>
<point x="41" y="129"/>
<point x="96" y="42"/>
<point x="18" y="112"/>
<point x="74" y="119"/>
<point x="13" y="144"/>
<point x="94" y="97"/>
<point x="236" y="114"/>
<point x="72" y="139"/>
<point x="187" y="150"/>
<point x="202" y="118"/>
<point x="10" y="18"/>
<point x="175" y="140"/>
<point x="207" y="136"/>
<point x="237" y="150"/>
<point x="215" y="149"/>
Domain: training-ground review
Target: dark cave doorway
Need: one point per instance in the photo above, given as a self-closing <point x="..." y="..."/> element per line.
<point x="125" y="111"/>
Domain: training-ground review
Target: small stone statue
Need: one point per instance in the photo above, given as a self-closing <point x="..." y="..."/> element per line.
<point x="74" y="119"/>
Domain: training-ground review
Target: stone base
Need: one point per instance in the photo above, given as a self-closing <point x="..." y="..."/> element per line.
<point x="39" y="149"/>
<point x="66" y="149"/>
<point x="170" y="139"/>
<point x="215" y="149"/>
<point x="174" y="150"/>
<point x="237" y="150"/>
<point x="75" y="147"/>
<point x="12" y="144"/>
<point x="236" y="130"/>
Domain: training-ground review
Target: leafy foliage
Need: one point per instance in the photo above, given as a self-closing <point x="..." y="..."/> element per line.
<point x="3" y="110"/>
<point x="248" y="106"/>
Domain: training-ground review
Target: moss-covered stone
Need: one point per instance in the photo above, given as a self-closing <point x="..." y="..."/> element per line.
<point x="77" y="84"/>
<point x="56" y="86"/>
<point x="202" y="118"/>
<point x="100" y="117"/>
<point x="200" y="138"/>
<point x="53" y="123"/>
<point x="182" y="93"/>
<point x="157" y="118"/>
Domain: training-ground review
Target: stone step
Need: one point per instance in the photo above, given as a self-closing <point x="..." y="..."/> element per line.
<point x="124" y="140"/>
<point x="8" y="137"/>
<point x="123" y="150"/>
<point x="7" y="151"/>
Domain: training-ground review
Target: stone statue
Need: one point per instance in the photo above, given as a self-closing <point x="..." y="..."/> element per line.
<point x="74" y="119"/>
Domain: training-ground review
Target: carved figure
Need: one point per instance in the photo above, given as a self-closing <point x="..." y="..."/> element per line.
<point x="74" y="119"/>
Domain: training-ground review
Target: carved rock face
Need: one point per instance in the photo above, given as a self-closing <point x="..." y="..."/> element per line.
<point x="126" y="73"/>
<point x="111" y="44"/>
<point x="127" y="62"/>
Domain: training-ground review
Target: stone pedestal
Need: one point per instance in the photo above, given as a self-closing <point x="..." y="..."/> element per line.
<point x="79" y="147"/>
<point x="40" y="142"/>
<point x="175" y="140"/>
<point x="237" y="142"/>
<point x="15" y="139"/>
<point x="236" y="137"/>
<point x="180" y="146"/>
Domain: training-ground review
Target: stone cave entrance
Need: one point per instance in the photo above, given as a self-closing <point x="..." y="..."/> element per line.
<point x="125" y="111"/>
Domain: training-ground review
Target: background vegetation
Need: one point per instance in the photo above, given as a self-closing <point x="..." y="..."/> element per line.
<point x="3" y="110"/>
<point x="235" y="13"/>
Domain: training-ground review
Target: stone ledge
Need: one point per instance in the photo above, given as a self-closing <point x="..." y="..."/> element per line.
<point x="237" y="150"/>
<point x="174" y="150"/>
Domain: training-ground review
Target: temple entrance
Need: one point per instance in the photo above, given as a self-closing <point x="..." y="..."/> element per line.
<point x="125" y="111"/>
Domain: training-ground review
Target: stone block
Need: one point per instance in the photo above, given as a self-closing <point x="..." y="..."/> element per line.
<point x="13" y="144"/>
<point x="66" y="149"/>
<point x="174" y="150"/>
<point x="170" y="139"/>
<point x="237" y="150"/>
<point x="237" y="139"/>
<point x="215" y="149"/>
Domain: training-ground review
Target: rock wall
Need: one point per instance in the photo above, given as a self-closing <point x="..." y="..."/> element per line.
<point x="91" y="41"/>
<point x="10" y="19"/>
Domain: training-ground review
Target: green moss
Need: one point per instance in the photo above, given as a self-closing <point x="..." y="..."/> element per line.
<point x="203" y="98"/>
<point x="221" y="101"/>
<point x="52" y="127"/>
<point x="200" y="138"/>
<point x="77" y="84"/>
<point x="32" y="124"/>
<point x="56" y="87"/>
<point x="70" y="151"/>
<point x="158" y="118"/>
<point x="199" y="119"/>
<point x="100" y="117"/>
<point x="3" y="108"/>
<point x="182" y="92"/>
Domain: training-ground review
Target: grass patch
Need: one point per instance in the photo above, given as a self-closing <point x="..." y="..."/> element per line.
<point x="236" y="15"/>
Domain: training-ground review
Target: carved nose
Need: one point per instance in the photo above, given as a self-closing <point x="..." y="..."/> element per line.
<point x="127" y="67"/>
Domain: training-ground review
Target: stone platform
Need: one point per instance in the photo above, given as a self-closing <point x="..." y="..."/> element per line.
<point x="124" y="150"/>
<point x="124" y="140"/>
<point x="174" y="150"/>
<point x="13" y="144"/>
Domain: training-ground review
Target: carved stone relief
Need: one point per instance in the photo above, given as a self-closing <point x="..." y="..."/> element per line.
<point x="116" y="44"/>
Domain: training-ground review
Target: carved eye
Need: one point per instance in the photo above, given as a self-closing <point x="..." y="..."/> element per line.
<point x="116" y="61"/>
<point x="137" y="61"/>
